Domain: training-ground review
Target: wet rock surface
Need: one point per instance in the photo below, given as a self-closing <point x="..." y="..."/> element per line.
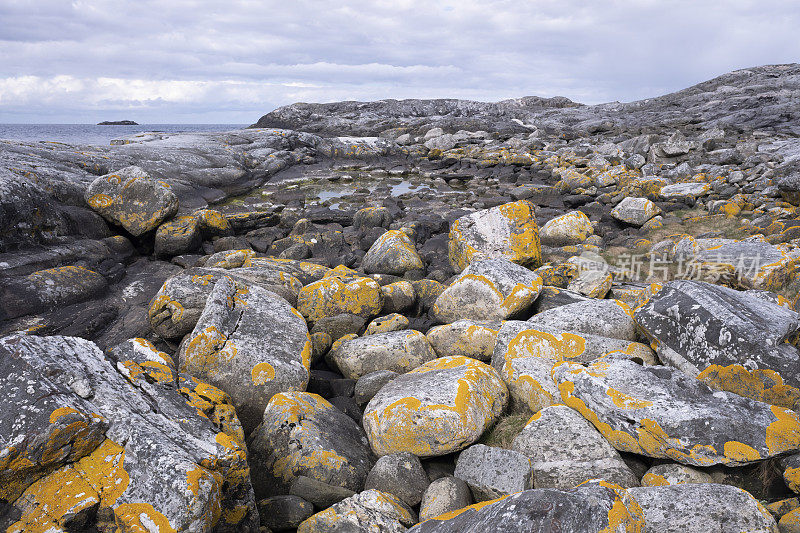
<point x="190" y="315"/>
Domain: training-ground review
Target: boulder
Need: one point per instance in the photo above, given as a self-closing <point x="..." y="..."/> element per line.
<point x="322" y="495"/>
<point x="661" y="412"/>
<point x="393" y="253"/>
<point x="674" y="474"/>
<point x="684" y="192"/>
<point x="571" y="228"/>
<point x="385" y="324"/>
<point x="398" y="297"/>
<point x="444" y="495"/>
<point x="368" y="385"/>
<point x="592" y="507"/>
<point x="635" y="211"/>
<point x="400" y="474"/>
<point x="565" y="450"/>
<point x="85" y="444"/>
<point x="493" y="472"/>
<point x="592" y="283"/>
<point x="524" y="356"/>
<point x="180" y="235"/>
<point x="340" y="291"/>
<point x="132" y="199"/>
<point x="700" y="508"/>
<point x="399" y="351"/>
<point x="438" y="408"/>
<point x="372" y="217"/>
<point x="366" y="512"/>
<point x="467" y="338"/>
<point x="251" y="344"/>
<point x="284" y="512"/>
<point x="508" y="230"/>
<point x="492" y="289"/>
<point x="302" y="434"/>
<point x="606" y="318"/>
<point x="731" y="340"/>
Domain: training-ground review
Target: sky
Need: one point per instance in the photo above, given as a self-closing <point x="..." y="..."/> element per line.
<point x="200" y="61"/>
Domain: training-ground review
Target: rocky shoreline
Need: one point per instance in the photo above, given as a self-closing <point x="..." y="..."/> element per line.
<point x="431" y="316"/>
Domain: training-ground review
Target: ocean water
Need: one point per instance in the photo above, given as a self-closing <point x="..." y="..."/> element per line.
<point x="91" y="134"/>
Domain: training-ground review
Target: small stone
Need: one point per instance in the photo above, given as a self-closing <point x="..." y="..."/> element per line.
<point x="368" y="385"/>
<point x="385" y="324"/>
<point x="400" y="474"/>
<point x="444" y="495"/>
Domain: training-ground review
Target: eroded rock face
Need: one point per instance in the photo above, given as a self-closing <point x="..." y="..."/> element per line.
<point x="302" y="434"/>
<point x="732" y="340"/>
<point x="659" y="411"/>
<point x="132" y="199"/>
<point x="508" y="231"/>
<point x="229" y="349"/>
<point x="142" y="445"/>
<point x="701" y="507"/>
<point x="595" y="506"/>
<point x="440" y="407"/>
<point x="492" y="289"/>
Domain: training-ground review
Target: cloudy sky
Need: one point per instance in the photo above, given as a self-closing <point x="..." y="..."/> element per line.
<point x="202" y="61"/>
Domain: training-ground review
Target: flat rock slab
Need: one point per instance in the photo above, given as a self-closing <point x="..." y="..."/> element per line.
<point x="144" y="445"/>
<point x="700" y="508"/>
<point x="592" y="507"/>
<point x="508" y="230"/>
<point x="302" y="434"/>
<point x="659" y="411"/>
<point x="438" y="408"/>
<point x="729" y="339"/>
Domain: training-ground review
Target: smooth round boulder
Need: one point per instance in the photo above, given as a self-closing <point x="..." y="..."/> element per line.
<point x="444" y="495"/>
<point x="438" y="408"/>
<point x="302" y="434"/>
<point x="400" y="474"/>
<point x="571" y="228"/>
<point x="399" y="351"/>
<point x="393" y="253"/>
<point x="385" y="324"/>
<point x="468" y="338"/>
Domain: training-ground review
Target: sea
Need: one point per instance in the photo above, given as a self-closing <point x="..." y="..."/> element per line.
<point x="93" y="135"/>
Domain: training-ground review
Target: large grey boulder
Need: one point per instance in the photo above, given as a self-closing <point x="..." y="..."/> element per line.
<point x="606" y="318"/>
<point x="438" y="408"/>
<point x="491" y="289"/>
<point x="592" y="507"/>
<point x="659" y="411"/>
<point x="469" y="338"/>
<point x="302" y="434"/>
<point x="132" y="199"/>
<point x="86" y="444"/>
<point x="398" y="351"/>
<point x="700" y="508"/>
<point x="732" y="340"/>
<point x="250" y="343"/>
<point x="508" y="230"/>
<point x="493" y="472"/>
<point x="565" y="450"/>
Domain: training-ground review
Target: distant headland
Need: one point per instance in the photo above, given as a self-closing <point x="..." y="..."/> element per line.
<point x="117" y="123"/>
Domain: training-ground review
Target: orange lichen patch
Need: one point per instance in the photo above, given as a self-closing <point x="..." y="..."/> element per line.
<point x="332" y="295"/>
<point x="739" y="452"/>
<point x="129" y="517"/>
<point x="162" y="301"/>
<point x="206" y="350"/>
<point x="625" y="513"/>
<point x="792" y="478"/>
<point x="100" y="201"/>
<point x="212" y="219"/>
<point x="625" y="401"/>
<point x="654" y="480"/>
<point x="784" y="433"/>
<point x="790" y="521"/>
<point x="763" y="385"/>
<point x="199" y="481"/>
<point x="235" y="515"/>
<point x="61" y="411"/>
<point x="296" y="406"/>
<point x="474" y="507"/>
<point x="104" y="470"/>
<point x="263" y="373"/>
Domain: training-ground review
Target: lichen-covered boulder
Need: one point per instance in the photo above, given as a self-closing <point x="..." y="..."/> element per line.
<point x="400" y="474"/>
<point x="340" y="291"/>
<point x="732" y="340"/>
<point x="177" y="236"/>
<point x="492" y="289"/>
<point x="525" y="354"/>
<point x="659" y="411"/>
<point x="392" y="253"/>
<point x="684" y="192"/>
<point x="399" y="351"/>
<point x="592" y="283"/>
<point x="635" y="211"/>
<point x="132" y="199"/>
<point x="438" y="408"/>
<point x="590" y="508"/>
<point x="444" y="495"/>
<point x="367" y="512"/>
<point x="700" y="508"/>
<point x="249" y="343"/>
<point x="385" y="324"/>
<point x="571" y="228"/>
<point x="565" y="450"/>
<point x="508" y="230"/>
<point x="398" y="297"/>
<point x="493" y="472"/>
<point x="133" y="448"/>
<point x="48" y="289"/>
<point x="468" y="338"/>
<point x="174" y="310"/>
<point x="302" y="434"/>
<point x="304" y="271"/>
<point x="372" y="217"/>
<point x="606" y="318"/>
<point x="674" y="474"/>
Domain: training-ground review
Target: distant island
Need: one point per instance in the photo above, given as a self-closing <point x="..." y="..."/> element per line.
<point x="117" y="123"/>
